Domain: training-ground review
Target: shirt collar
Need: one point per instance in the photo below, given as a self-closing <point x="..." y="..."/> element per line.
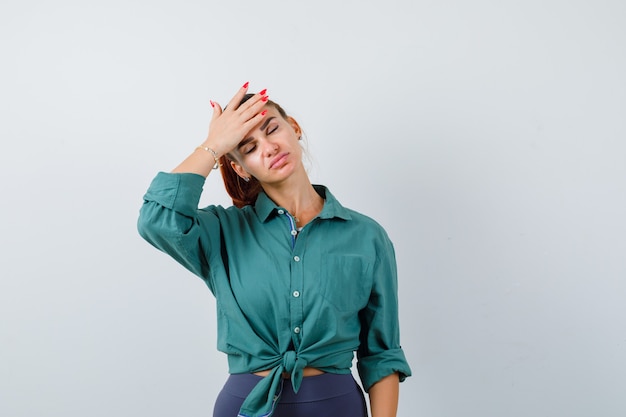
<point x="265" y="207"/>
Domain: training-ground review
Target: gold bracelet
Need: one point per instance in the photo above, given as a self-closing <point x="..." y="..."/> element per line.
<point x="212" y="152"/>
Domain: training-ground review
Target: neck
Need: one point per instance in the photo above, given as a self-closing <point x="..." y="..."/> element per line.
<point x="298" y="197"/>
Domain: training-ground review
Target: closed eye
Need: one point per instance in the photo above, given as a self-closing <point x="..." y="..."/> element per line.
<point x="272" y="129"/>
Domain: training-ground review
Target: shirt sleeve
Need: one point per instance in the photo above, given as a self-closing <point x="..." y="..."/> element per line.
<point x="380" y="353"/>
<point x="170" y="220"/>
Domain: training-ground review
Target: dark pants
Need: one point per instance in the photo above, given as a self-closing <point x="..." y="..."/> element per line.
<point x="326" y="395"/>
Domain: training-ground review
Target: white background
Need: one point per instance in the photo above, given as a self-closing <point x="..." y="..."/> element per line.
<point x="487" y="137"/>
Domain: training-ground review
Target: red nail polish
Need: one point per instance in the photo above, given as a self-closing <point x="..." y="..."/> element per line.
<point x="264" y="112"/>
<point x="262" y="92"/>
<point x="246" y="84"/>
<point x="265" y="98"/>
<point x="212" y="104"/>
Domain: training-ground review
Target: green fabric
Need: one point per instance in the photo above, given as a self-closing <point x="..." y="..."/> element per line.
<point x="284" y="302"/>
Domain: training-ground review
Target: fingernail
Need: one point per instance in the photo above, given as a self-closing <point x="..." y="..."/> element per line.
<point x="264" y="112"/>
<point x="212" y="104"/>
<point x="262" y="92"/>
<point x="265" y="98"/>
<point x="246" y="84"/>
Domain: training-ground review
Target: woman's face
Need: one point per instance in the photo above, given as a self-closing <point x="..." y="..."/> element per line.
<point x="270" y="152"/>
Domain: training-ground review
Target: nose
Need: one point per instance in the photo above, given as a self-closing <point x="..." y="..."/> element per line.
<point x="269" y="148"/>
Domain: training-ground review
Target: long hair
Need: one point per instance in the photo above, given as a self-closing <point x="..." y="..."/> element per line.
<point x="242" y="192"/>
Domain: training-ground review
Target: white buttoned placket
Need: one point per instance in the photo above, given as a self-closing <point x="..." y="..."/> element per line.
<point x="296" y="282"/>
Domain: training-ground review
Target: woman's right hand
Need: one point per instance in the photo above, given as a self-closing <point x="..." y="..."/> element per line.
<point x="228" y="127"/>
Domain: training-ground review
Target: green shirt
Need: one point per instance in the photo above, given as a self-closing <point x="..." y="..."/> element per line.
<point x="286" y="299"/>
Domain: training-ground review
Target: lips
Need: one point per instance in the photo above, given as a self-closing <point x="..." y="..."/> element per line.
<point x="279" y="160"/>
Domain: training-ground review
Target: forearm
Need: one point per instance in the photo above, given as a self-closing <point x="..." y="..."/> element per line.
<point x="201" y="162"/>
<point x="384" y="396"/>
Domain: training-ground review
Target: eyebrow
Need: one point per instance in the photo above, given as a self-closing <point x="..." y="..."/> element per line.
<point x="265" y="123"/>
<point x="262" y="127"/>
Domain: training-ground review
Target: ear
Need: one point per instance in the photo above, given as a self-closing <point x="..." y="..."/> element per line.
<point x="239" y="170"/>
<point x="294" y="125"/>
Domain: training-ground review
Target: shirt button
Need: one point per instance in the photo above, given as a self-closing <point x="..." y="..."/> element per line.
<point x="294" y="232"/>
<point x="296" y="294"/>
<point x="281" y="211"/>
<point x="296" y="330"/>
<point x="296" y="258"/>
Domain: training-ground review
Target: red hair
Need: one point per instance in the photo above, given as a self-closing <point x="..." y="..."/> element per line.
<point x="243" y="192"/>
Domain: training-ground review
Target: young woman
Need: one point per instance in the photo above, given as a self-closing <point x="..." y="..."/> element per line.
<point x="301" y="282"/>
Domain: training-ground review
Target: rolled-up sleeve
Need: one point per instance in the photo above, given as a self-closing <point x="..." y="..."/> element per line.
<point x="380" y="353"/>
<point x="170" y="220"/>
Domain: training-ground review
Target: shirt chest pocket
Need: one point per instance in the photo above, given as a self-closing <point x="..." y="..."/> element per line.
<point x="346" y="281"/>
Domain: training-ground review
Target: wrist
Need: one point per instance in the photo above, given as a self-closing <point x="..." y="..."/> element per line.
<point x="212" y="153"/>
